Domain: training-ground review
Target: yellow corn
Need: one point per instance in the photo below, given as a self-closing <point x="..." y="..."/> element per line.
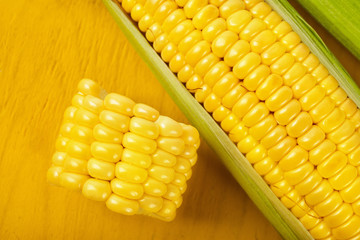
<point x="275" y="100"/>
<point x="123" y="153"/>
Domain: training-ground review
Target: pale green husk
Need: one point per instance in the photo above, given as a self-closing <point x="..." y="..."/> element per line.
<point x="341" y="18"/>
<point x="279" y="216"/>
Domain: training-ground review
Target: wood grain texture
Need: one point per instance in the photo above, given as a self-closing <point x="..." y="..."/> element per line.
<point x="46" y="47"/>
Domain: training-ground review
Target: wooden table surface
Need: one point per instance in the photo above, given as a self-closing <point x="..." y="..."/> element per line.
<point x="46" y="47"/>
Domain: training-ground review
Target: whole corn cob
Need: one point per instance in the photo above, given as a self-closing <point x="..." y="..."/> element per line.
<point x="286" y="114"/>
<point x="124" y="153"/>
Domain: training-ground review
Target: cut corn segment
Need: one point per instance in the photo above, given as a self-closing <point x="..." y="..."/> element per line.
<point x="124" y="153"/>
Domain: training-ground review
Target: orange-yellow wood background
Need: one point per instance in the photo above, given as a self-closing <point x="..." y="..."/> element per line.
<point x="46" y="47"/>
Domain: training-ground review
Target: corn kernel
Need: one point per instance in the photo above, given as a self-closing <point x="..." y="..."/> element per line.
<point x="93" y="104"/>
<point x="256" y="77"/>
<point x="53" y="174"/>
<point x="264" y="166"/>
<point x="254" y="27"/>
<point x="128" y="4"/>
<point x="58" y="158"/>
<point x="154" y="187"/>
<point x="259" y="130"/>
<point x="101" y="169"/>
<point x="272" y="19"/>
<point x="215" y="73"/>
<point x="137" y="12"/>
<point x="233" y="96"/>
<point x="238" y="133"/>
<point x="237" y="21"/>
<point x="300" y="52"/>
<point x="279" y="98"/>
<point x="160" y="42"/>
<point x="277" y="134"/>
<point x="168" y="211"/>
<point x="164" y="10"/>
<point x="251" y="3"/>
<point x="245" y="103"/>
<point x="284" y="63"/>
<point x="163" y="174"/>
<point x="312" y="98"/>
<point x="86" y="118"/>
<point x="177" y="62"/>
<point x="311" y="62"/>
<point x="274" y="176"/>
<point x="308" y="184"/>
<point x="205" y="64"/>
<point x="212" y="102"/>
<point x="168" y="52"/>
<point x="115" y="120"/>
<point x="220" y="113"/>
<point x="290" y="40"/>
<point x="320" y="72"/>
<point x="78" y="150"/>
<point x="130" y="173"/>
<point x="197" y="52"/>
<point x="282" y="148"/>
<point x="296" y="72"/>
<point x="354" y="157"/>
<point x="349" y="144"/>
<point x="320" y="231"/>
<point x="262" y="41"/>
<point x="139" y="143"/>
<point x="269" y="86"/>
<point x="288" y="112"/>
<point x="247" y="144"/>
<point x="339" y="216"/>
<point x="126" y="189"/>
<point x="256" y="114"/>
<point x="185" y="73"/>
<point x="261" y="10"/>
<point x="172" y="193"/>
<point x="290" y="199"/>
<point x="350" y="194"/>
<point x="348" y="229"/>
<point x="151" y="203"/>
<point x="343" y="178"/>
<point x="223" y="42"/>
<point x="97" y="190"/>
<point x="296" y="157"/>
<point x="193" y="6"/>
<point x="322" y="109"/>
<point x="349" y="107"/>
<point x="205" y="16"/>
<point x="295" y="176"/>
<point x="321" y="152"/>
<point x="342" y="133"/>
<point x="108" y="152"/>
<point x="75" y="165"/>
<point x="229" y="7"/>
<point x="69" y="114"/>
<point x="168" y="127"/>
<point x="72" y="181"/>
<point x="89" y="87"/>
<point x="332" y="121"/>
<point x="329" y="84"/>
<point x="103" y="133"/>
<point x="256" y="154"/>
<point x="319" y="194"/>
<point x="180" y="31"/>
<point x="122" y="205"/>
<point x="310" y="220"/>
<point x="145" y="22"/>
<point x="225" y="84"/>
<point x="229" y="122"/>
<point x="311" y="138"/>
<point x="282" y="29"/>
<point x="272" y="53"/>
<point x="190" y="135"/>
<point x="301" y="124"/>
<point x="173" y="20"/>
<point x="213" y="29"/>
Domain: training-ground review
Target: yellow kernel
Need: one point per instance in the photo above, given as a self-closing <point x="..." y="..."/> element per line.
<point x="300" y="52"/>
<point x="160" y="42"/>
<point x="185" y="73"/>
<point x="61" y="144"/>
<point x="262" y="41"/>
<point x="308" y="184"/>
<point x="282" y="29"/>
<point x="181" y="3"/>
<point x="126" y="189"/>
<point x="65" y="129"/>
<point x="320" y="73"/>
<point x="144" y="128"/>
<point x="311" y="62"/>
<point x="151" y="6"/>
<point x="205" y="64"/>
<point x="190" y="134"/>
<point x="163" y="174"/>
<point x="311" y="138"/>
<point x="296" y="157"/>
<point x="164" y="10"/>
<point x="256" y="114"/>
<point x="212" y="102"/>
<point x="153" y="32"/>
<point x="257" y="154"/>
<point x="349" y="144"/>
<point x="272" y="19"/>
<point x="349" y="107"/>
<point x="193" y="6"/>
<point x="296" y="72"/>
<point x="180" y="31"/>
<point x="197" y="52"/>
<point x="81" y="134"/>
<point x="145" y="22"/>
<point x="261" y="10"/>
<point x="213" y="29"/>
<point x="108" y="152"/>
<point x="101" y="169"/>
<point x="356" y="207"/>
<point x="75" y="165"/>
<point x="279" y="98"/>
<point x="229" y="7"/>
<point x="229" y="122"/>
<point x="225" y="84"/>
<point x="122" y="205"/>
<point x="202" y="93"/>
<point x="182" y="165"/>
<point x="78" y="150"/>
<point x="274" y="136"/>
<point x="310" y="220"/>
<point x="236" y="51"/>
<point x="154" y="187"/>
<point x="139" y="143"/>
<point x="288" y="112"/>
<point x="137" y="12"/>
<point x="343" y="178"/>
<point x="339" y="216"/>
<point x="271" y="84"/>
<point x="338" y="96"/>
<point x="150" y="203"/>
<point x="342" y="133"/>
<point x="103" y="133"/>
<point x="350" y="194"/>
<point x="274" y="176"/>
<point x="215" y="73"/>
<point x="348" y="229"/>
<point x="130" y="173"/>
<point x="290" y="40"/>
<point x="319" y="194"/>
<point x="171" y="21"/>
<point x="238" y="133"/>
<point x="232" y="96"/>
<point x="86" y="118"/>
<point x="58" y="158"/>
<point x="237" y="21"/>
<point x="312" y="98"/>
<point x="128" y="4"/>
<point x="263" y="127"/>
<point x="300" y="209"/>
<point x="97" y="190"/>
<point x="69" y="114"/>
<point x="93" y="104"/>
<point x="332" y="121"/>
<point x="247" y="144"/>
<point x="168" y="52"/>
<point x="223" y="42"/>
<point x="321" y="231"/>
<point x="322" y="109"/>
<point x="264" y="166"/>
<point x="355" y="119"/>
<point x="115" y="120"/>
<point x="290" y="199"/>
<point x="89" y="87"/>
<point x="272" y="53"/>
<point x="171" y="145"/>
<point x="256" y="77"/>
<point x="329" y="84"/>
<point x="251" y="3"/>
<point x="254" y="27"/>
<point x="178" y="201"/>
<point x="301" y="124"/>
<point x="189" y="152"/>
<point x="278" y="151"/>
<point x="136" y="158"/>
<point x="217" y="3"/>
<point x="53" y="174"/>
<point x="281" y="65"/>
<point x="72" y="181"/>
<point x="169" y="127"/>
<point x="321" y="152"/>
<point x="144" y="111"/>
<point x="173" y="192"/>
<point x="220" y="113"/>
<point x="177" y="63"/>
<point x="245" y="65"/>
<point x="205" y="16"/>
<point x="245" y="103"/>
<point x="168" y="211"/>
<point x="331" y="166"/>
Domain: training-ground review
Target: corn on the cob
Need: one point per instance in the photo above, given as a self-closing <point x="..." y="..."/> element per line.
<point x="273" y="97"/>
<point x="123" y="153"/>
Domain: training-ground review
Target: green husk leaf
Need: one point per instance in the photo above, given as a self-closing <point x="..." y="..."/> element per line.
<point x="280" y="217"/>
<point x="340" y="18"/>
